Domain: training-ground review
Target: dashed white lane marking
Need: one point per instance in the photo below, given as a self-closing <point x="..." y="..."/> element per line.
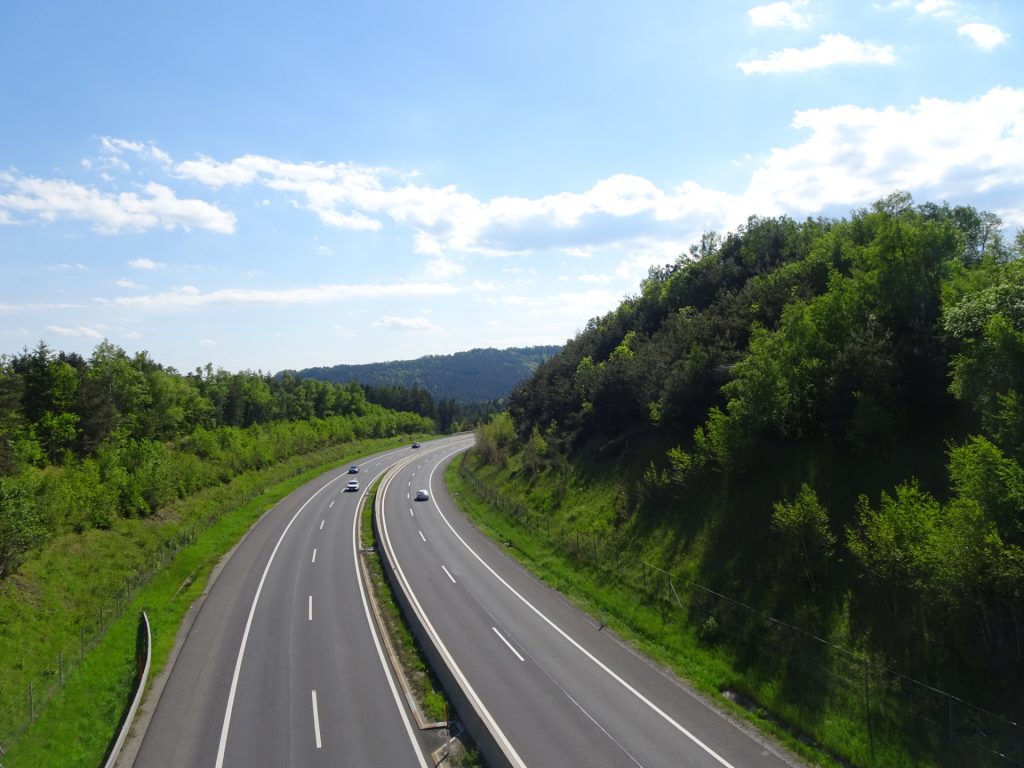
<point x="310" y="607"/>
<point x="314" y="555"/>
<point x="506" y="642"/>
<point x="331" y="504"/>
<point x="316" y="722"/>
<point x="423" y="537"/>
<point x="411" y="513"/>
<point x="322" y="524"/>
<point x="448" y="574"/>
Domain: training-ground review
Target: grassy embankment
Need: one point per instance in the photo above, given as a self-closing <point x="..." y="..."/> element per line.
<point x="44" y="606"/>
<point x="573" y="544"/>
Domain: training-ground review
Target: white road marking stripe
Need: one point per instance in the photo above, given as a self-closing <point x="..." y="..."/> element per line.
<point x="448" y="574"/>
<point x="322" y="524"/>
<point x="600" y="664"/>
<point x="423" y="537"/>
<point x="411" y="513"/>
<point x="331" y="504"/>
<point x="310" y="607"/>
<point x="314" y="554"/>
<point x="380" y="651"/>
<point x="316" y="722"/>
<point x="222" y="745"/>
<point x="506" y="642"/>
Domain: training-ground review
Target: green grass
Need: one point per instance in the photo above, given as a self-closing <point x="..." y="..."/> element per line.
<point x="77" y="725"/>
<point x="658" y="633"/>
<point x="426" y="688"/>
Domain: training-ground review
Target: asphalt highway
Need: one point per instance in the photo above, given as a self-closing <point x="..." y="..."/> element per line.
<point x="282" y="666"/>
<point x="560" y="690"/>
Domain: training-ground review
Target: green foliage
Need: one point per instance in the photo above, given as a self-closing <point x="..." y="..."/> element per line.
<point x="803" y="529"/>
<point x="476" y="376"/>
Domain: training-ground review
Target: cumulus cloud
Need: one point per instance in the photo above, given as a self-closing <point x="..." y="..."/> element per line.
<point x="985" y="36"/>
<point x="146" y="264"/>
<point x="441" y="267"/>
<point x="81" y="330"/>
<point x="192" y="297"/>
<point x="52" y="199"/>
<point x="125" y="283"/>
<point x="939" y="8"/>
<point x="831" y="50"/>
<point x="780" y="14"/>
<point x="855" y="155"/>
<point x="116" y="147"/>
<point x="404" y="323"/>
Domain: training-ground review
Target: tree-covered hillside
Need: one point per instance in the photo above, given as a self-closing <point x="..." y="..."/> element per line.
<point x="476" y="376"/>
<point x="85" y="441"/>
<point x="821" y="419"/>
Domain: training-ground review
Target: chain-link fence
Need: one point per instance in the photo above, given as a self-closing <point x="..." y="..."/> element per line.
<point x="21" y="710"/>
<point x="888" y="717"/>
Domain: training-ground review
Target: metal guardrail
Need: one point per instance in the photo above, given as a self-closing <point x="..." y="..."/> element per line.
<point x="145" y="637"/>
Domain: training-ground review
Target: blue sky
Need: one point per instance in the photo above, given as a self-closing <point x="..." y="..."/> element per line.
<point x="268" y="186"/>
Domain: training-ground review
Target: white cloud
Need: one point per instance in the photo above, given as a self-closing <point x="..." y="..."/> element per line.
<point x="116" y="147"/>
<point x="441" y="267"/>
<point x="146" y="264"/>
<point x="52" y="199"/>
<point x="77" y="266"/>
<point x="985" y="36"/>
<point x="131" y="335"/>
<point x="404" y="323"/>
<point x="594" y="279"/>
<point x="830" y="51"/>
<point x="483" y="287"/>
<point x="780" y="14"/>
<point x="935" y="8"/>
<point x="427" y="244"/>
<point x="190" y="296"/>
<point x="207" y="343"/>
<point x="81" y="330"/>
<point x="854" y="155"/>
<point x="125" y="283"/>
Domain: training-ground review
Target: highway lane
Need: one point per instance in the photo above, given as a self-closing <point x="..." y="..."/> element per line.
<point x="282" y="665"/>
<point x="560" y="690"/>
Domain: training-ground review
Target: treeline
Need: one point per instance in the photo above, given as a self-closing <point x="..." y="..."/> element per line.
<point x="83" y="441"/>
<point x="848" y="397"/>
<point x="449" y="414"/>
<point x="478" y="376"/>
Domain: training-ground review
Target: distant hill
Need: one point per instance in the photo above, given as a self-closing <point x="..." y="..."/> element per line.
<point x="476" y="376"/>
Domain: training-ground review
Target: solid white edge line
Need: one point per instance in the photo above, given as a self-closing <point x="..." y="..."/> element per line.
<point x="600" y="664"/>
<point x="503" y="742"/>
<point x="446" y="573"/>
<point x="376" y="643"/>
<point x="506" y="642"/>
<point x="316" y="722"/>
<point x="248" y="626"/>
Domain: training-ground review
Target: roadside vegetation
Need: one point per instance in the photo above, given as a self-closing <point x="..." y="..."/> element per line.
<point x="108" y="466"/>
<point x="801" y="446"/>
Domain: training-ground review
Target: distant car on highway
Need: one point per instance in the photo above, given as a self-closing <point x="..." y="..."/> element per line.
<point x="415" y="445"/>
<point x="353" y="485"/>
<point x="422" y="495"/>
<point x="353" y="470"/>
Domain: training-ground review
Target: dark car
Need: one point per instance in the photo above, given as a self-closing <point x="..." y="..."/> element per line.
<point x="353" y="470"/>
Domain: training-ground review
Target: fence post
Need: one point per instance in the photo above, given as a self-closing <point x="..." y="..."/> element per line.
<point x="867" y="711"/>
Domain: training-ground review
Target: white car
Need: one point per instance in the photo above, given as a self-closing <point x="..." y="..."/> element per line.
<point x="353" y="485"/>
<point x="422" y="495"/>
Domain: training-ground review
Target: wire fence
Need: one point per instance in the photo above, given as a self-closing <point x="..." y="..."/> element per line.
<point x="21" y="709"/>
<point x="888" y="717"/>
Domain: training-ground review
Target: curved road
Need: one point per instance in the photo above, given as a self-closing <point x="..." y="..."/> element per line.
<point x="562" y="691"/>
<point x="282" y="666"/>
